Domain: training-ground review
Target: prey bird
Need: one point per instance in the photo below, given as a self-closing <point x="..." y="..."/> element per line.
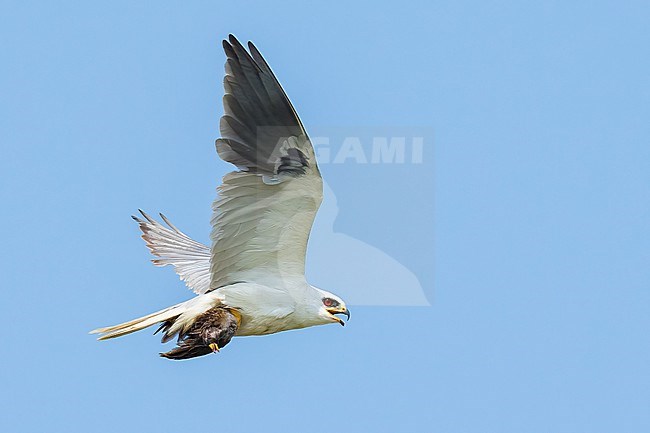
<point x="251" y="281"/>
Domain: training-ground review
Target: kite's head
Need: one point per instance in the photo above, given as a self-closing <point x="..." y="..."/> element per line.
<point x="330" y="306"/>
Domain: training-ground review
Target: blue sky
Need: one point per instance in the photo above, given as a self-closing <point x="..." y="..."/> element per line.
<point x="527" y="223"/>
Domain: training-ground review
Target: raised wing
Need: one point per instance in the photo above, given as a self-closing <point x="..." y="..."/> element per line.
<point x="264" y="213"/>
<point x="190" y="259"/>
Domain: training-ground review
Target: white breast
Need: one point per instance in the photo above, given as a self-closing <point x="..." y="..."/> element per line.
<point x="267" y="310"/>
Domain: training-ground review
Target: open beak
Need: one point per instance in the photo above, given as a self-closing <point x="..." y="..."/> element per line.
<point x="343" y="311"/>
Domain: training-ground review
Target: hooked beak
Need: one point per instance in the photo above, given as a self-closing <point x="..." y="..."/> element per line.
<point x="343" y="311"/>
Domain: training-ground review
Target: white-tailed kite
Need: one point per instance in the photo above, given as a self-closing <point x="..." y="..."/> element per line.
<point x="252" y="280"/>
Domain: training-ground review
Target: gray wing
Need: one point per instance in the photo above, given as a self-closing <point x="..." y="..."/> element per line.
<point x="190" y="259"/>
<point x="259" y="119"/>
<point x="264" y="213"/>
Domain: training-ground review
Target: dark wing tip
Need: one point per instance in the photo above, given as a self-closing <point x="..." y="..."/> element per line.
<point x="147" y="217"/>
<point x="171" y="226"/>
<point x="259" y="59"/>
<point x="233" y="40"/>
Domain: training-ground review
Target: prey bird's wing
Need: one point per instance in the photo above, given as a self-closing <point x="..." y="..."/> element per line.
<point x="264" y="212"/>
<point x="191" y="259"/>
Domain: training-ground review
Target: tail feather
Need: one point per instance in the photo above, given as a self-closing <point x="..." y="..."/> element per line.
<point x="139" y="323"/>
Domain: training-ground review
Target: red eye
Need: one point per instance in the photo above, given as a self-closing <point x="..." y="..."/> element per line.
<point x="329" y="302"/>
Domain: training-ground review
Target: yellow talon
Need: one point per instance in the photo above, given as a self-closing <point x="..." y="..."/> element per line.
<point x="214" y="347"/>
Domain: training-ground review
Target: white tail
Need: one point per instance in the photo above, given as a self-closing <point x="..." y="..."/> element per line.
<point x="183" y="315"/>
<point x="140" y="323"/>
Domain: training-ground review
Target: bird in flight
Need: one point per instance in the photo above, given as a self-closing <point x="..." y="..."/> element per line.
<point x="251" y="281"/>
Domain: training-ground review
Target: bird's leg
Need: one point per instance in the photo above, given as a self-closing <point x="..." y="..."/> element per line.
<point x="214" y="347"/>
